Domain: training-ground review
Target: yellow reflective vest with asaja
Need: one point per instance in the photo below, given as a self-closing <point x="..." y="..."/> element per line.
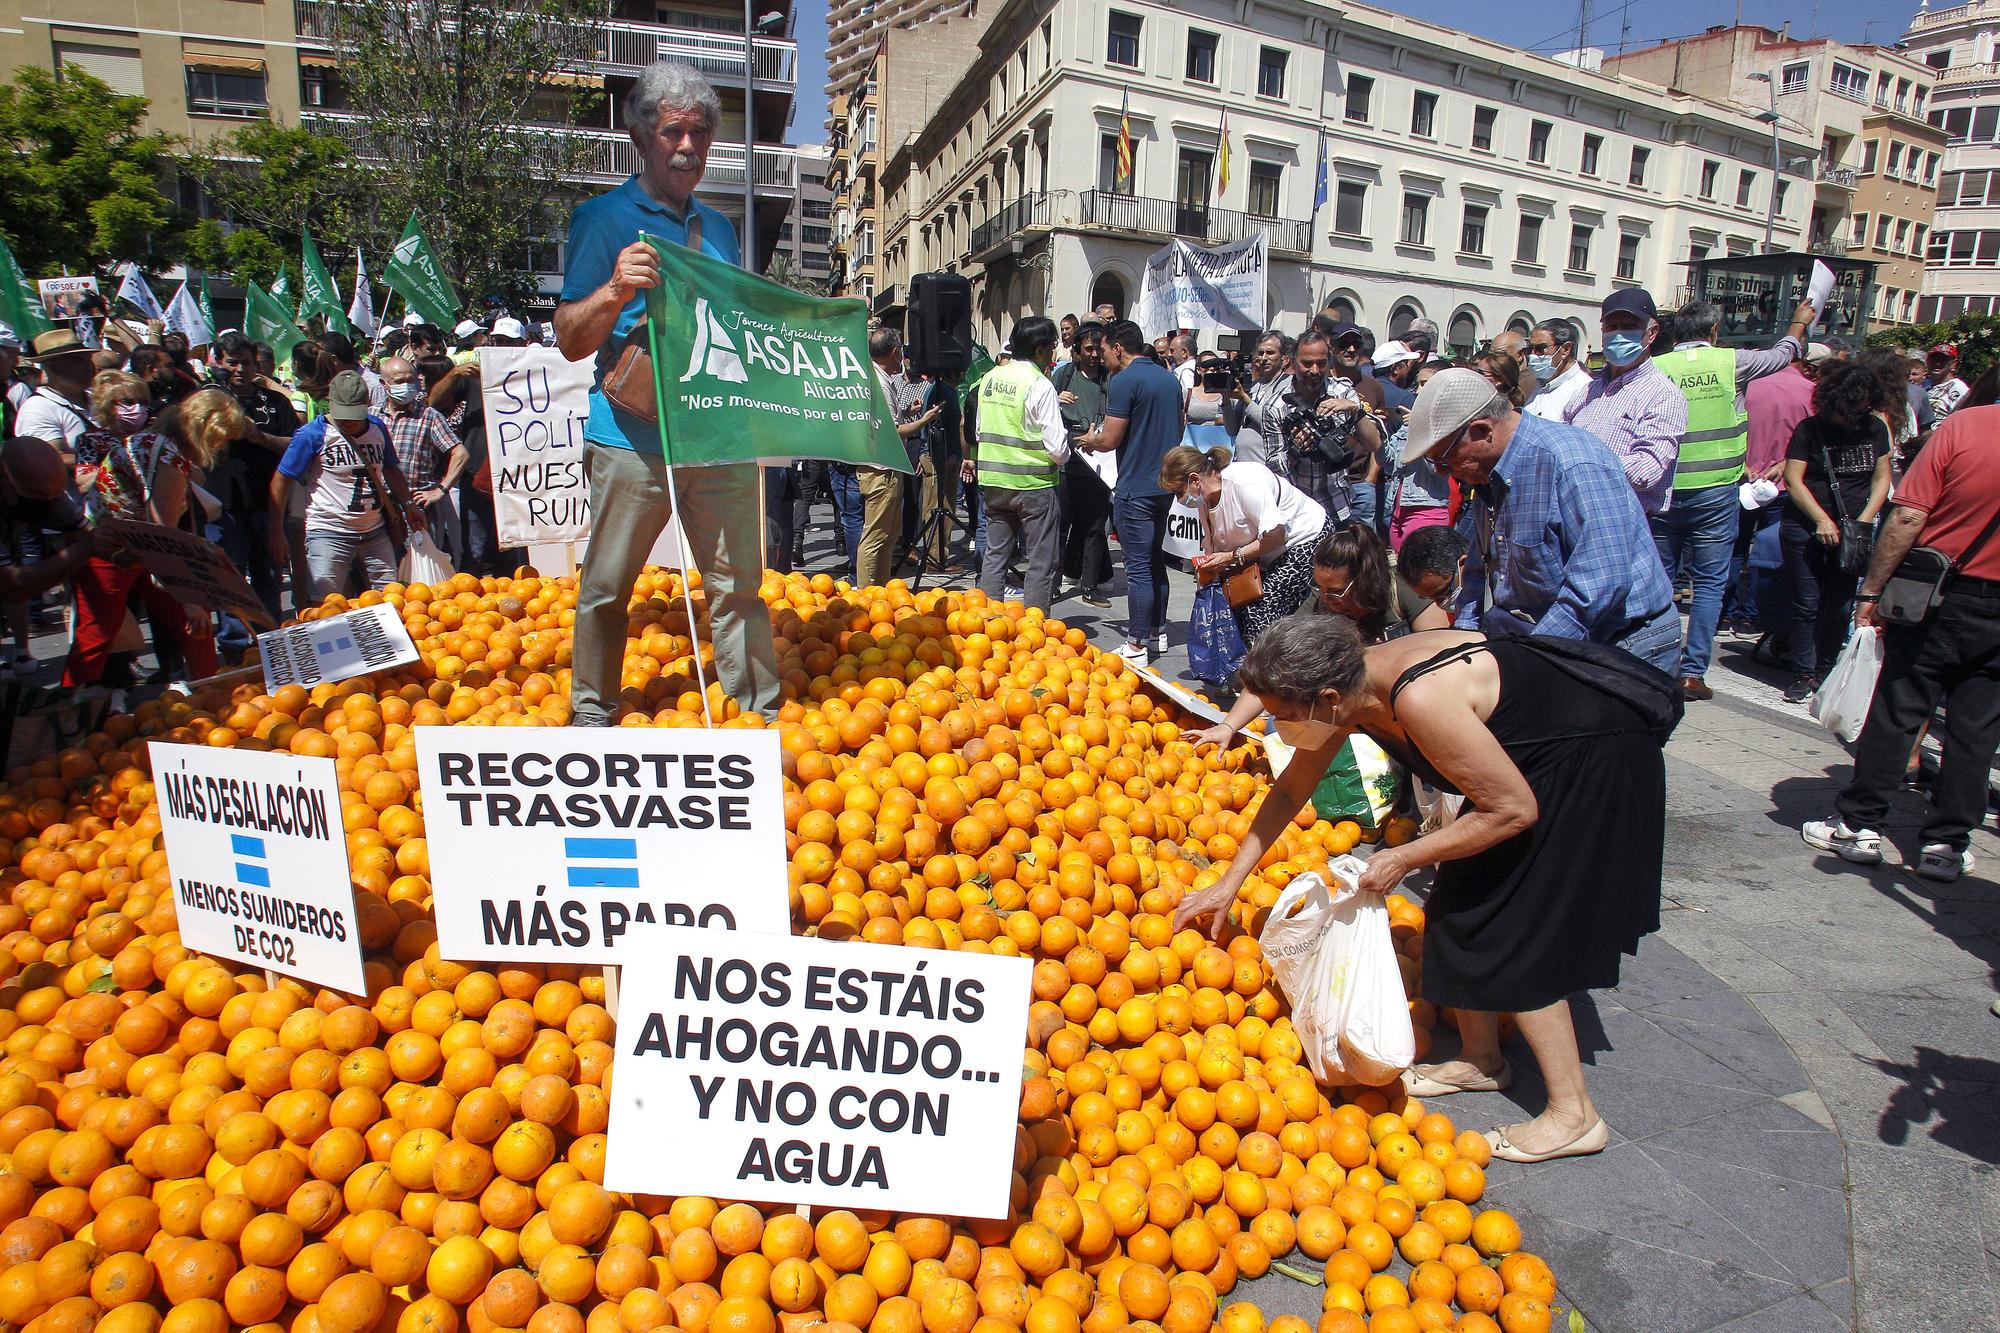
<point x="1718" y="431"/>
<point x="1011" y="456"/>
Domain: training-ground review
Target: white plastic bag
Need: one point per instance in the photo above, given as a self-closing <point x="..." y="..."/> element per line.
<point x="423" y="562"/>
<point x="1841" y="703"/>
<point x="1331" y="954"/>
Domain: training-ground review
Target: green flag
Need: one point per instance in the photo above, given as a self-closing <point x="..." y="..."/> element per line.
<point x="318" y="295"/>
<point x="207" y="306"/>
<point x="20" y="302"/>
<point x="981" y="363"/>
<point x="415" y="275"/>
<point x="281" y="286"/>
<point x="268" y="320"/>
<point x="746" y="369"/>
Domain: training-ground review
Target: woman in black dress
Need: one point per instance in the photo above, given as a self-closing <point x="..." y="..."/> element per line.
<point x="1551" y="872"/>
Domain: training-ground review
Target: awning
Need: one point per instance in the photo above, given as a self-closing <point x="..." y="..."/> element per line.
<point x="204" y="60"/>
<point x="319" y="59"/>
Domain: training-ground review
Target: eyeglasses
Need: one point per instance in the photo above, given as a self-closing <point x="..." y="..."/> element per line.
<point x="1542" y="349"/>
<point x="1439" y="460"/>
<point x="1339" y="594"/>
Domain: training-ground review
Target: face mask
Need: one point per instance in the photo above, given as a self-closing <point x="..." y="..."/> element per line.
<point x="1622" y="349"/>
<point x="403" y="393"/>
<point x="131" y="415"/>
<point x="1191" y="497"/>
<point x="1306" y="733"/>
<point x="1543" y="366"/>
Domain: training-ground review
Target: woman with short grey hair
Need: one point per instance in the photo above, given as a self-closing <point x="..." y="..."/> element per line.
<point x="1550" y="873"/>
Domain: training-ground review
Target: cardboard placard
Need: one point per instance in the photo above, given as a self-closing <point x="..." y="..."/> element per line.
<point x="353" y="643"/>
<point x="258" y="856"/>
<point x="192" y="568"/>
<point x="537" y="403"/>
<point x="806" y="1071"/>
<point x="549" y="844"/>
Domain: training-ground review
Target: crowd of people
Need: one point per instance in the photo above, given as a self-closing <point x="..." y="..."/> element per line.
<point x="308" y="474"/>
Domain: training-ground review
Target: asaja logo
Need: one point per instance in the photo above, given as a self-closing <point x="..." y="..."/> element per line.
<point x="406" y="249"/>
<point x="714" y="351"/>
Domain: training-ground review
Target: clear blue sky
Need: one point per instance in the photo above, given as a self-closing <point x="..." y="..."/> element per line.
<point x="1539" y="28"/>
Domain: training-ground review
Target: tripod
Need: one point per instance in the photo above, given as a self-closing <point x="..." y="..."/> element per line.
<point x="933" y="532"/>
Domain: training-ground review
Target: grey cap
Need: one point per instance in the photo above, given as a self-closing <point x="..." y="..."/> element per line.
<point x="347" y="397"/>
<point x="1452" y="398"/>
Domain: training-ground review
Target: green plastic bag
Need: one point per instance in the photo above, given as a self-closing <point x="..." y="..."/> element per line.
<point x="1360" y="784"/>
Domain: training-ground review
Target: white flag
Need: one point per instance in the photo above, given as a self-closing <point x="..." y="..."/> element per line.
<point x="132" y="287"/>
<point x="184" y="317"/>
<point x="361" y="313"/>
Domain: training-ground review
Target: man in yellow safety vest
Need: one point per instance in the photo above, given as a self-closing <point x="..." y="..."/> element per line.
<point x="1018" y="460"/>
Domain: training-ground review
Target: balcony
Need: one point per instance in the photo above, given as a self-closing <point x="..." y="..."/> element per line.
<point x="1167" y="218"/>
<point x="1960" y="75"/>
<point x="1840" y="177"/>
<point x="625" y="48"/>
<point x="611" y="156"/>
<point x="1032" y="210"/>
<point x="1967" y="13"/>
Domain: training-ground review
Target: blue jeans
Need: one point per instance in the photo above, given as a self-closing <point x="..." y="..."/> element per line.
<point x="846" y="490"/>
<point x="1701" y="526"/>
<point x="1739" y="599"/>
<point x="1141" y="521"/>
<point x="244" y="536"/>
<point x="1367" y="497"/>
<point x="1658" y="641"/>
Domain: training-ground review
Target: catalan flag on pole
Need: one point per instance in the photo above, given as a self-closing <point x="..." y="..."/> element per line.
<point x="1125" y="140"/>
<point x="1222" y="174"/>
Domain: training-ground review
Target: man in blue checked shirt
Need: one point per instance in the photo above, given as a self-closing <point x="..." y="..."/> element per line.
<point x="1559" y="545"/>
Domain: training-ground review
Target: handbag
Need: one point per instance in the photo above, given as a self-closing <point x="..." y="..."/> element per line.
<point x="1911" y="595"/>
<point x="1857" y="539"/>
<point x="628" y="384"/>
<point x="1241" y="584"/>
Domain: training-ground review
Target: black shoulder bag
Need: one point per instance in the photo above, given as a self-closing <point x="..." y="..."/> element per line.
<point x="1912" y="594"/>
<point x="1857" y="539"/>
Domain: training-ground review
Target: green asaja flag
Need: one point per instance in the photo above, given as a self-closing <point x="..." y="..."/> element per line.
<point x="207" y="306"/>
<point x="747" y="370"/>
<point x="266" y="319"/>
<point x="20" y="302"/>
<point x="415" y="274"/>
<point x="281" y="286"/>
<point x="318" y="295"/>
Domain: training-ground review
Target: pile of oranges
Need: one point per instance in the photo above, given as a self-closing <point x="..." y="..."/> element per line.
<point x="184" y="1147"/>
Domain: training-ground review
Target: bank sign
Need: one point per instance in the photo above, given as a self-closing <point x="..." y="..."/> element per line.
<point x="745" y="369"/>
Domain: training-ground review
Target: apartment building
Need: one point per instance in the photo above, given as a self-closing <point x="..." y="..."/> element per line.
<point x="1960" y="46"/>
<point x="807" y="239"/>
<point x="1469" y="183"/>
<point x="854" y="29"/>
<point x="207" y="67"/>
<point x="1875" y="173"/>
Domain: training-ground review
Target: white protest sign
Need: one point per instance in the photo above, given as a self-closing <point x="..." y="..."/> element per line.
<point x="805" y="1071"/>
<point x="192" y="568"/>
<point x="537" y="402"/>
<point x="553" y="845"/>
<point x="258" y="856"/>
<point x="1196" y="287"/>
<point x="1183" y="534"/>
<point x="353" y="643"/>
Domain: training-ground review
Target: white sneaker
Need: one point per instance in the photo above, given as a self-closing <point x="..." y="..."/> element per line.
<point x="1862" y="846"/>
<point x="1132" y="653"/>
<point x="1160" y="643"/>
<point x="1939" y="862"/>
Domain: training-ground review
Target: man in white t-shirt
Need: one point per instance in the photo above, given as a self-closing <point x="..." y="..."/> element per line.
<point x="349" y="469"/>
<point x="59" y="411"/>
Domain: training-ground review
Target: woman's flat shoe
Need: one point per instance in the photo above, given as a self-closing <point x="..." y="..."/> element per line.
<point x="1593" y="1140"/>
<point x="1420" y="1084"/>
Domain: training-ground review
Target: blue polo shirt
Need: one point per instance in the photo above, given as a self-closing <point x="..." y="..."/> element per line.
<point x="598" y="230"/>
<point x="1148" y="396"/>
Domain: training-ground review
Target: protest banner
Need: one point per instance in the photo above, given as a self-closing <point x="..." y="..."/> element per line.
<point x="1198" y="287"/>
<point x="62" y="298"/>
<point x="807" y="1071"/>
<point x="192" y="568"/>
<point x="537" y="403"/>
<point x="353" y="643"/>
<point x="258" y="856"/>
<point x="745" y="369"/>
<point x="554" y="845"/>
<point x="1183" y="535"/>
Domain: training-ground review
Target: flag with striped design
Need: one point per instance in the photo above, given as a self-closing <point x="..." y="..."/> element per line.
<point x="1125" y="140"/>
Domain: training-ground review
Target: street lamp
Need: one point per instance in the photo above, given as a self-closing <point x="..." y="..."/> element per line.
<point x="769" y="23"/>
<point x="1777" y="163"/>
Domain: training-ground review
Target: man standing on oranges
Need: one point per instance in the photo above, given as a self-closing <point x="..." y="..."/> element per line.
<point x="672" y="114"/>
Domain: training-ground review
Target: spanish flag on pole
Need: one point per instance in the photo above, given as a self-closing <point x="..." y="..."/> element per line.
<point x="1125" y="139"/>
<point x="1222" y="166"/>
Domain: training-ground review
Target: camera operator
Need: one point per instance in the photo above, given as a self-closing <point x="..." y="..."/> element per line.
<point x="1319" y="428"/>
